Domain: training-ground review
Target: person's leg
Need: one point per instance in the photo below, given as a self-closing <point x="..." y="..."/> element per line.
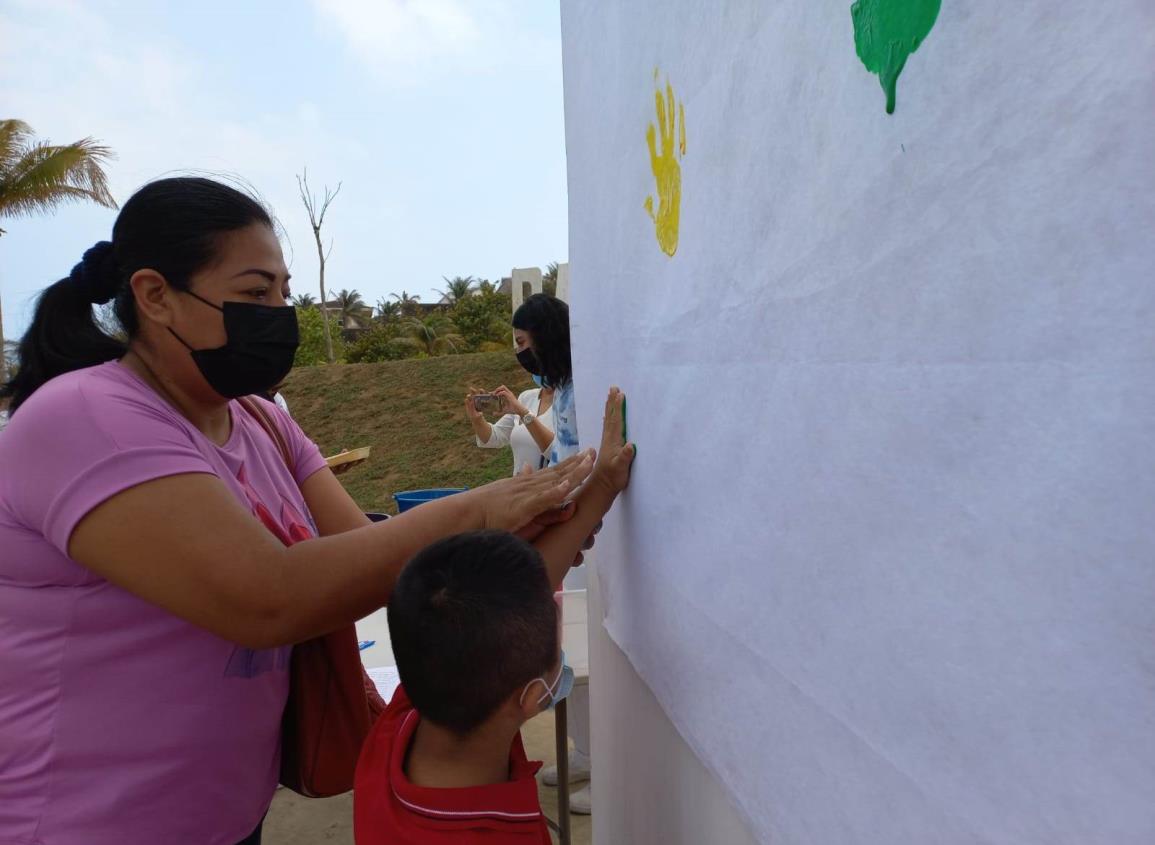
<point x="579" y="724"/>
<point x="581" y="802"/>
<point x="579" y="732"/>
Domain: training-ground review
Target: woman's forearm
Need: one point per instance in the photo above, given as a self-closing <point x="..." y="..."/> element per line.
<point x="482" y="429"/>
<point x="541" y="434"/>
<point x="326" y="582"/>
<point x="225" y="572"/>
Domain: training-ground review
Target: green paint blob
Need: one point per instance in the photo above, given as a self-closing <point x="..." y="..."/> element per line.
<point x="886" y="32"/>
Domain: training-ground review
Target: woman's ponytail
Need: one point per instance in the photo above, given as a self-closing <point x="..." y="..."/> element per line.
<point x="65" y="334"/>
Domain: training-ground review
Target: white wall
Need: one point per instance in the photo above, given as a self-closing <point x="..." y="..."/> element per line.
<point x="904" y="595"/>
<point x="648" y="785"/>
<point x="518" y="279"/>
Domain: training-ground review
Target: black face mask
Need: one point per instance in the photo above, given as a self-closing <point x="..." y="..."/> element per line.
<point x="260" y="344"/>
<point x="528" y="359"/>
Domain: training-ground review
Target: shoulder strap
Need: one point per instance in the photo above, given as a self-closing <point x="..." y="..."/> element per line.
<point x="265" y="421"/>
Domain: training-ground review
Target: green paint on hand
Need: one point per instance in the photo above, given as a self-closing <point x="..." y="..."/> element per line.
<point x="886" y="32"/>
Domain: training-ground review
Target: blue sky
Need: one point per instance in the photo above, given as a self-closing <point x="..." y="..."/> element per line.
<point x="442" y="118"/>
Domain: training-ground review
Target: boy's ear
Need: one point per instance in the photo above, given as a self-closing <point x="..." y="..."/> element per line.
<point x="525" y="705"/>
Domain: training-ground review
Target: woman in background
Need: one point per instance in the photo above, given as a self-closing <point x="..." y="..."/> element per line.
<point x="529" y="421"/>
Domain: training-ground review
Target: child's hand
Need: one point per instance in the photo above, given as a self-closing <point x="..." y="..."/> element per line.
<point x="616" y="456"/>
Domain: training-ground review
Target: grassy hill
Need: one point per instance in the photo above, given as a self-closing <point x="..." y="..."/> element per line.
<point x="411" y="412"/>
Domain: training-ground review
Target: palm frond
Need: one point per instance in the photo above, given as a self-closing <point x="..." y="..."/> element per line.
<point x="451" y="343"/>
<point x="457" y="288"/>
<point x="44" y="175"/>
<point x="349" y="299"/>
<point x="410" y="343"/>
<point x="15" y="135"/>
<point x="387" y="310"/>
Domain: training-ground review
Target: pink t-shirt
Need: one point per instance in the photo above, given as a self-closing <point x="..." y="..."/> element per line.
<point x="119" y="722"/>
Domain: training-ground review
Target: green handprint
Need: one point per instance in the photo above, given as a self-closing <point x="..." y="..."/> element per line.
<point x="667" y="171"/>
<point x="886" y="32"/>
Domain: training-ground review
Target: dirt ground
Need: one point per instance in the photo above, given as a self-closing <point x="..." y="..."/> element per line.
<point x="294" y="820"/>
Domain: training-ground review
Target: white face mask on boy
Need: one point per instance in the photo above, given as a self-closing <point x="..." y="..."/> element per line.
<point x="561" y="687"/>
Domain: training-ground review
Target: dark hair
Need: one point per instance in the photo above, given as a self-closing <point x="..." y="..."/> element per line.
<point x="546" y="318"/>
<point x="471" y="620"/>
<point x="172" y="226"/>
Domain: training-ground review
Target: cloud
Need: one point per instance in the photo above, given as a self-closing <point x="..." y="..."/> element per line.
<point x="170" y="99"/>
<point x="71" y="73"/>
<point x="405" y="42"/>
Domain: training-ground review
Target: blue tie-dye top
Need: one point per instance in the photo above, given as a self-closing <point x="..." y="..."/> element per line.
<point x="565" y="429"/>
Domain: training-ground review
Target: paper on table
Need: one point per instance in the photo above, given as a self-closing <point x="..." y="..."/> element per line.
<point x="386" y="678"/>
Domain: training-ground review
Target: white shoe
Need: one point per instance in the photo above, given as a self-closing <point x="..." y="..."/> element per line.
<point x="579" y="802"/>
<point x="579" y="770"/>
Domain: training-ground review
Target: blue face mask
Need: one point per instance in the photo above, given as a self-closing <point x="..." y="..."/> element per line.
<point x="558" y="690"/>
<point x="537" y="380"/>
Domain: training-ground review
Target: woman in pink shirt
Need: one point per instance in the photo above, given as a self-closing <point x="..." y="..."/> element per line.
<point x="152" y="574"/>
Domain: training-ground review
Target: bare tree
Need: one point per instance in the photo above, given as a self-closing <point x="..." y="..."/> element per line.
<point x="316" y="220"/>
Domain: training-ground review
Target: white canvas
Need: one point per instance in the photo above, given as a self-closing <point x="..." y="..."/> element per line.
<point x="888" y="557"/>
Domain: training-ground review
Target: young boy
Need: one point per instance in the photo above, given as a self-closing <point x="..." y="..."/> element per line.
<point x="474" y="629"/>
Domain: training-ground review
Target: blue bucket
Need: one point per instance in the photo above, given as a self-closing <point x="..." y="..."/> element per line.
<point x="412" y="498"/>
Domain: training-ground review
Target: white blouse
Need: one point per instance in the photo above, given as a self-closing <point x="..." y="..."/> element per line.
<point x="509" y="431"/>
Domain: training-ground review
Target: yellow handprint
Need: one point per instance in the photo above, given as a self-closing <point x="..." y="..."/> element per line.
<point x="667" y="171"/>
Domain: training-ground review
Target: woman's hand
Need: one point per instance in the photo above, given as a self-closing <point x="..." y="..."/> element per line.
<point x="616" y="456"/>
<point x="514" y="503"/>
<point x="471" y="412"/>
<point x="509" y="402"/>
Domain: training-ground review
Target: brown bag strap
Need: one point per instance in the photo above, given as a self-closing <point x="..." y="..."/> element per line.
<point x="373" y="698"/>
<point x="265" y="421"/>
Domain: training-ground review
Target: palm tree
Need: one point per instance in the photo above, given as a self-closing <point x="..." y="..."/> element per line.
<point x="407" y="304"/>
<point x="435" y="335"/>
<point x="388" y="311"/>
<point x="549" y="279"/>
<point x="36" y="177"/>
<point x="456" y="289"/>
<point x="304" y="300"/>
<point x="352" y="308"/>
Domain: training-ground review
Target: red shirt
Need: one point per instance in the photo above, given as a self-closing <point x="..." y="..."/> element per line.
<point x="389" y="810"/>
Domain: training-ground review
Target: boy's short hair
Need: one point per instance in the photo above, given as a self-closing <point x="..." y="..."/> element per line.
<point x="471" y="620"/>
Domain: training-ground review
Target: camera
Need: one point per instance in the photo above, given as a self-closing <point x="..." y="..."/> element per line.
<point x="488" y="403"/>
